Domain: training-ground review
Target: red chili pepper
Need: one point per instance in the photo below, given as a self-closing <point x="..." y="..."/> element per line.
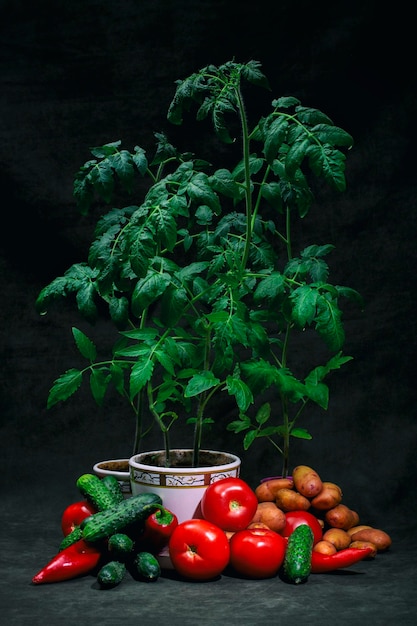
<point x="74" y="514"/>
<point x="77" y="560"/>
<point x="158" y="528"/>
<point x="321" y="563"/>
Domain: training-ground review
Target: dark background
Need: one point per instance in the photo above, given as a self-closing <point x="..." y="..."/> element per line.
<point x="82" y="73"/>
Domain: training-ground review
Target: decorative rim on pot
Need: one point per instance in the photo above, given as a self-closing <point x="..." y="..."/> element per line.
<point x="146" y="468"/>
<point x="114" y="467"/>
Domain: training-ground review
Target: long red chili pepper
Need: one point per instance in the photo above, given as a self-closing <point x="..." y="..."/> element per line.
<point x="321" y="563"/>
<point x="158" y="529"/>
<point x="77" y="560"/>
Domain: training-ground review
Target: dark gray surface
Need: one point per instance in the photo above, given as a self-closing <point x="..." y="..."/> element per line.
<point x="378" y="592"/>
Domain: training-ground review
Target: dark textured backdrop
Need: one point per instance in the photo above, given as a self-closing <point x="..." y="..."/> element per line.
<point x="82" y="73"/>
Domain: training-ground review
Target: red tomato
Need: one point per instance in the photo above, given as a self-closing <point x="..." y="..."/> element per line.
<point x="257" y="552"/>
<point x="74" y="515"/>
<point x="295" y="518"/>
<point x="229" y="503"/>
<point x="199" y="549"/>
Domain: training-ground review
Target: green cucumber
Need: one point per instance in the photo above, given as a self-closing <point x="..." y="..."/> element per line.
<point x="132" y="510"/>
<point x="72" y="537"/>
<point x="113" y="486"/>
<point x="111" y="574"/>
<point x="96" y="492"/>
<point x="297" y="561"/>
<point x="146" y="567"/>
<point x="120" y="546"/>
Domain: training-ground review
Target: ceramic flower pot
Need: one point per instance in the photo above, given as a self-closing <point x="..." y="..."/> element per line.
<point x="119" y="468"/>
<point x="180" y="486"/>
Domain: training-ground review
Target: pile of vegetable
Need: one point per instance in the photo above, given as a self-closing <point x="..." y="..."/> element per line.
<point x="291" y="527"/>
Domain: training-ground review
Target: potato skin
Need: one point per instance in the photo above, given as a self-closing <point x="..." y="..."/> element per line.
<point x="341" y="516"/>
<point x="324" y="547"/>
<point x="266" y="491"/>
<point x="307" y="481"/>
<point x="356" y="529"/>
<point x="365" y="544"/>
<point x="290" y="500"/>
<point x="329" y="497"/>
<point x="268" y="513"/>
<point x="338" y="537"/>
<point x="378" y="537"/>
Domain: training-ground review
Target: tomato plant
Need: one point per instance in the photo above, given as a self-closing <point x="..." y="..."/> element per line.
<point x="229" y="503"/>
<point x="199" y="549"/>
<point x="74" y="515"/>
<point x="257" y="552"/>
<point x="295" y="518"/>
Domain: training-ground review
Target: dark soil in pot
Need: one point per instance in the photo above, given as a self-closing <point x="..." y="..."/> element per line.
<point x="183" y="458"/>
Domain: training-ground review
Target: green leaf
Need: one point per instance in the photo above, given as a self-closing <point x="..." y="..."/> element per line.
<point x="200" y="192"/>
<point x="272" y="194"/>
<point x="140" y="374"/>
<point x="101" y="177"/>
<point x="99" y="380"/>
<point x="275" y="134"/>
<point x="119" y="311"/>
<point x="243" y="395"/>
<point x="64" y="387"/>
<point x="296" y="154"/>
<point x="174" y="302"/>
<point x="270" y="287"/>
<point x="122" y="163"/>
<point x="85" y="302"/>
<point x="223" y="182"/>
<point x="329" y="134"/>
<point x="263" y="414"/>
<point x="329" y="323"/>
<point x="249" y="439"/>
<point x="304" y="301"/>
<point x="86" y="347"/>
<point x="329" y="163"/>
<point x="147" y="290"/>
<point x="165" y="360"/>
<point x="238" y="426"/>
<point x="199" y="383"/>
<point x="300" y="433"/>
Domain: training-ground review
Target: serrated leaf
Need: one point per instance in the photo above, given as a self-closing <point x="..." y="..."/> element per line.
<point x="203" y="381"/>
<point x="304" y="301"/>
<point x="122" y="164"/>
<point x="147" y="290"/>
<point x="64" y="387"/>
<point x="329" y="323"/>
<point x="275" y="134"/>
<point x="140" y="374"/>
<point x="270" y="287"/>
<point x="223" y="182"/>
<point x="86" y="347"/>
<point x="174" y="302"/>
<point x="295" y="155"/>
<point x="243" y="395"/>
<point x="200" y="192"/>
<point x="85" y="302"/>
<point x="99" y="380"/>
<point x="101" y="178"/>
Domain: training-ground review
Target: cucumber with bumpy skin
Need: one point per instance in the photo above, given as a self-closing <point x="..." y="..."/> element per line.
<point x="297" y="561"/>
<point x="96" y="492"/>
<point x="146" y="567"/>
<point x="113" y="486"/>
<point x="133" y="510"/>
<point x="120" y="546"/>
<point x="111" y="574"/>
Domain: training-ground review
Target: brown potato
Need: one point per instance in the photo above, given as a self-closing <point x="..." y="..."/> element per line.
<point x="365" y="544"/>
<point x="324" y="547"/>
<point x="268" y="513"/>
<point x="356" y="529"/>
<point x="290" y="500"/>
<point x="307" y="481"/>
<point x="329" y="497"/>
<point x="341" y="516"/>
<point x="378" y="537"/>
<point x="338" y="537"/>
<point x="265" y="492"/>
<point x="258" y="525"/>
